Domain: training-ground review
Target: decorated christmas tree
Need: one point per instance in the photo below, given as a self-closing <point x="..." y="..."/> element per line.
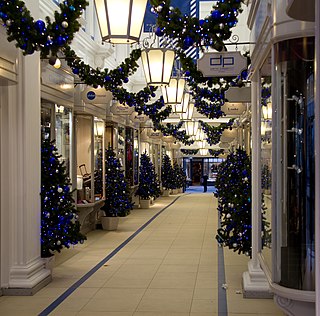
<point x="233" y="184"/>
<point x="180" y="176"/>
<point x="118" y="199"/>
<point x="59" y="220"/>
<point x="149" y="185"/>
<point x="167" y="174"/>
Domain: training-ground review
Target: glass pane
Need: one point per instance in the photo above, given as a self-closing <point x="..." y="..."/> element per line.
<point x="129" y="155"/>
<point x="121" y="144"/>
<point x="98" y="159"/>
<point x="266" y="161"/>
<point x="295" y="70"/>
<point x="84" y="144"/>
<point x="46" y="114"/>
<point x="63" y="130"/>
<point x="136" y="156"/>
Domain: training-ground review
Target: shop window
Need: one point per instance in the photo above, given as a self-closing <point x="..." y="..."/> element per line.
<point x="98" y="159"/>
<point x="46" y="124"/>
<point x="129" y="155"/>
<point x="266" y="157"/>
<point x="136" y="157"/>
<point x="121" y="144"/>
<point x="295" y="91"/>
<point x="63" y="128"/>
<point x="84" y="138"/>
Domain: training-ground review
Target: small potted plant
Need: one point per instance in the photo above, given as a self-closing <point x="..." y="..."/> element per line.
<point x="117" y="196"/>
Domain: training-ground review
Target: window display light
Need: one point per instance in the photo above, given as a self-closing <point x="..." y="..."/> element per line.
<point x="267" y="111"/>
<point x="120" y="21"/>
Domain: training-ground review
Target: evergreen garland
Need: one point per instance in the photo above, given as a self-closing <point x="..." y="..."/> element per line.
<point x="59" y="218"/>
<point x="214" y="132"/>
<point x="216" y="153"/>
<point x="189" y="152"/>
<point x="167" y="174"/>
<point x="47" y="37"/>
<point x="118" y="199"/>
<point x="149" y="185"/>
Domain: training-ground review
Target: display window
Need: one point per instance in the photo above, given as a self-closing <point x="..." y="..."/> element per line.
<point x="99" y="129"/>
<point x="266" y="157"/>
<point x="129" y="150"/>
<point x="295" y="211"/>
<point x="85" y="171"/>
<point x="135" y="157"/>
<point x="121" y="135"/>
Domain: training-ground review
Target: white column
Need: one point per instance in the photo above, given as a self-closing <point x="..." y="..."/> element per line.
<point x="255" y="284"/>
<point x="317" y="153"/>
<point x="22" y="268"/>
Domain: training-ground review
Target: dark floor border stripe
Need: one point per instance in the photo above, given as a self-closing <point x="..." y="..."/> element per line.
<point x="222" y="292"/>
<point x="73" y="287"/>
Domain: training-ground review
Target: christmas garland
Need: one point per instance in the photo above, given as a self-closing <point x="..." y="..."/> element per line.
<point x="51" y="37"/>
<point x="214" y="132"/>
<point x="46" y="37"/>
<point x="216" y="153"/>
<point x="189" y="152"/>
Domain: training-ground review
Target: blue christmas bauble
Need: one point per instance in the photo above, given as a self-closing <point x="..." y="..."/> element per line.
<point x="39" y="26"/>
<point x="72" y="8"/>
<point x="187" y="73"/>
<point x="159" y="31"/>
<point x="60" y="40"/>
<point x="187" y="42"/>
<point x="201" y="22"/>
<point x="216" y="14"/>
<point x="107" y="78"/>
<point x="125" y="80"/>
<point x="75" y="71"/>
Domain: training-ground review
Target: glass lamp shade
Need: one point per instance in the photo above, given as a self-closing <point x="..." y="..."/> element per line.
<point x="120" y="21"/>
<point x="267" y="111"/>
<point x="187" y="116"/>
<point x="203" y="151"/>
<point x="157" y="65"/>
<point x="182" y="107"/>
<point x="191" y="127"/>
<point x="173" y="93"/>
<point x="199" y="135"/>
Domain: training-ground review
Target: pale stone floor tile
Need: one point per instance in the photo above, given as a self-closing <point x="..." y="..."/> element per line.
<point x="166" y="300"/>
<point x="159" y="314"/>
<point x="204" y="306"/>
<point x="103" y="314"/>
<point x="123" y="282"/>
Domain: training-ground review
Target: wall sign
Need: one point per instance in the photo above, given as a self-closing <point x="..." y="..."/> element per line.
<point x="96" y="96"/>
<point x="222" y="64"/>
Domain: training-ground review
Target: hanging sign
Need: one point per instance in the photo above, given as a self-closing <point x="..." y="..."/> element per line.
<point x="223" y="64"/>
<point x="155" y="134"/>
<point x="233" y="108"/>
<point x="96" y="96"/>
<point x="121" y="109"/>
<point x="235" y="94"/>
<point x="135" y="117"/>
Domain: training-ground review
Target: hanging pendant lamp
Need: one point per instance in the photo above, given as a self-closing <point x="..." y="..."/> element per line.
<point x="191" y="127"/>
<point x="187" y="116"/>
<point x="120" y="21"/>
<point x="173" y="94"/>
<point x="157" y="65"/>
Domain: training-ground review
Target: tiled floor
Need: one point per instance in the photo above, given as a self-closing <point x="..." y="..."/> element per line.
<point x="169" y="269"/>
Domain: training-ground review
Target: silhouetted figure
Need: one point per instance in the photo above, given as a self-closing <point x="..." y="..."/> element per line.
<point x="205" y="182"/>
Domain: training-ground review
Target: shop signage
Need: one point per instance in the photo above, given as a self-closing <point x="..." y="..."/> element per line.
<point x="233" y="108"/>
<point x="222" y="64"/>
<point x="96" y="96"/>
<point x="135" y="117"/>
<point x="155" y="134"/>
<point x="121" y="109"/>
<point x="235" y="94"/>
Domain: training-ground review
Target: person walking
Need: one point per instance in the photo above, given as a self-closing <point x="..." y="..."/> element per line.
<point x="205" y="182"/>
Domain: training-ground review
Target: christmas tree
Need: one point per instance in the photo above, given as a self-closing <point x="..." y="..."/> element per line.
<point x="233" y="184"/>
<point x="59" y="220"/>
<point x="118" y="198"/>
<point x="167" y="174"/>
<point x="149" y="185"/>
<point x="180" y="176"/>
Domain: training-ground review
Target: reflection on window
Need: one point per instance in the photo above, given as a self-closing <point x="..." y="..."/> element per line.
<point x="129" y="154"/>
<point x="295" y="74"/>
<point x="98" y="159"/>
<point x="84" y="151"/>
<point x="136" y="157"/>
<point x="63" y="128"/>
<point x="266" y="159"/>
<point x="46" y="114"/>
